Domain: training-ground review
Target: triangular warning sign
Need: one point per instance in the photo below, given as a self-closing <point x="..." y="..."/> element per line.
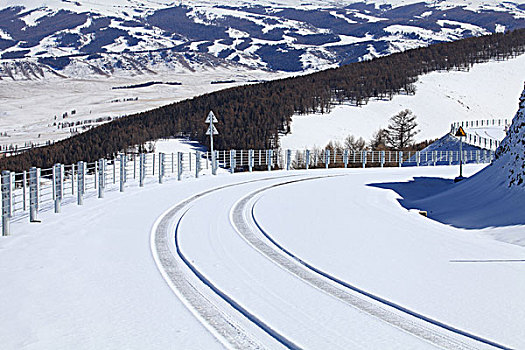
<point x="211" y="117"/>
<point x="460" y="132"/>
<point x="212" y="129"/>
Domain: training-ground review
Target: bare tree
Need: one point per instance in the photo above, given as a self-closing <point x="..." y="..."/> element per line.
<point x="402" y="129"/>
<point x="379" y="140"/>
<point x="353" y="144"/>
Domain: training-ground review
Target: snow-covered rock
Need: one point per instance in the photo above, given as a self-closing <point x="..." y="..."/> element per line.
<point x="511" y="154"/>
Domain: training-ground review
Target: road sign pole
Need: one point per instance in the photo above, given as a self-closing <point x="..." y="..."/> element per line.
<point x="212" y="131"/>
<point x="460" y="157"/>
<point x="460" y="133"/>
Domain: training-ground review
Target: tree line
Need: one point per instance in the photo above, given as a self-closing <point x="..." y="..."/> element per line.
<point x="253" y="116"/>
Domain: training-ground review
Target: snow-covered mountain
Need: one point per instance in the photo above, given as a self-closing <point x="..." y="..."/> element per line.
<point x="40" y="38"/>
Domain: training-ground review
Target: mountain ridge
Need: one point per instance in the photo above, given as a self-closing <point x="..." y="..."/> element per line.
<point x="77" y="39"/>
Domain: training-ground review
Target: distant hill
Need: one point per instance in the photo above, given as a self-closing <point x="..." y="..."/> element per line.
<point x="57" y="39"/>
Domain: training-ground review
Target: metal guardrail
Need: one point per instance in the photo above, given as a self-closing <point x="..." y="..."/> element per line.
<point x="26" y="194"/>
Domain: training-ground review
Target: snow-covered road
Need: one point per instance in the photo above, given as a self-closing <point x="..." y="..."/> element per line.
<point x="88" y="279"/>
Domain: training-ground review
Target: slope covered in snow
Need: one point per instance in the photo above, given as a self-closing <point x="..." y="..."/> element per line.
<point x="491" y="198"/>
<point x="486" y="91"/>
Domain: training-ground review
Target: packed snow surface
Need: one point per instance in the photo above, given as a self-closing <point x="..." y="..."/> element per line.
<point x="86" y="278"/>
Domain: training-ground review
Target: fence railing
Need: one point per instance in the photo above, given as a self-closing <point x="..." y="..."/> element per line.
<point x="480" y="123"/>
<point x="477" y="140"/>
<point x="26" y="194"/>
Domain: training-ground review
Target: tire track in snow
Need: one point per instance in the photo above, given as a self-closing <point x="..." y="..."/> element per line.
<point x="187" y="282"/>
<point x="351" y="295"/>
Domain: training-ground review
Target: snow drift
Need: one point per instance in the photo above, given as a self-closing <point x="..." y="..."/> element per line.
<point x="490" y="198"/>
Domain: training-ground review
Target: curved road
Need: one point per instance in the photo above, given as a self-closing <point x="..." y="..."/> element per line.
<point x="251" y="293"/>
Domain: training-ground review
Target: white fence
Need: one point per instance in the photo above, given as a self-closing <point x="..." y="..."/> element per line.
<point x="26" y="194"/>
<point x="477" y="140"/>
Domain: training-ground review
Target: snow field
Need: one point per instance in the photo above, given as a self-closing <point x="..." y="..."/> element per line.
<point x="29" y="107"/>
<point x="73" y="283"/>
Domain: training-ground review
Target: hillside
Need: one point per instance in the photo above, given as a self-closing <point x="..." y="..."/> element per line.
<point x="486" y="91"/>
<point x="492" y="197"/>
<point x="253" y="116"/>
<point x="58" y="39"/>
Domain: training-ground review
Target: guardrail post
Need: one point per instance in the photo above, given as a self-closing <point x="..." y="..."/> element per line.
<point x="232" y="161"/>
<point x="198" y="163"/>
<point x="72" y="179"/>
<point x="80" y="182"/>
<point x="114" y="170"/>
<point x="307" y="160"/>
<point x="434" y="157"/>
<point x="58" y="183"/>
<point x="382" y="159"/>
<point x="288" y="158"/>
<point x="400" y="158"/>
<point x="345" y="158"/>
<point x="418" y="158"/>
<point x="326" y="158"/>
<point x="7" y="201"/>
<point x="363" y="158"/>
<point x="142" y="169"/>
<point x="240" y="157"/>
<point x="161" y="167"/>
<point x="24" y="190"/>
<point x="250" y="160"/>
<point x="134" y="166"/>
<point x="269" y="160"/>
<point x="153" y="164"/>
<point x="95" y="175"/>
<point x="13" y="187"/>
<point x="122" y="172"/>
<point x="172" y="163"/>
<point x="33" y="194"/>
<point x="101" y="180"/>
<point x="179" y="166"/>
